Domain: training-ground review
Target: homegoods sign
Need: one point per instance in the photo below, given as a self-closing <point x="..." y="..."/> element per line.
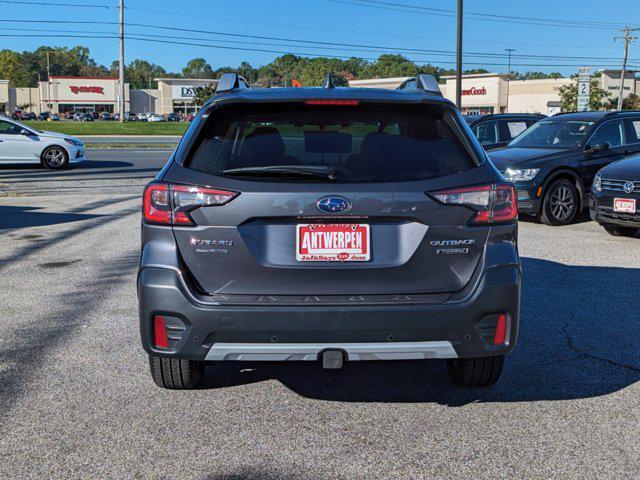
<point x="475" y="91"/>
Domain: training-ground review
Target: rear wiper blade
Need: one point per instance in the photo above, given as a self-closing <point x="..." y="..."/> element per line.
<point x="284" y="170"/>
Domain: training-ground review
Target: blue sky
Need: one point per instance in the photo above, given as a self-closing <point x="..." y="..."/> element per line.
<point x="362" y="23"/>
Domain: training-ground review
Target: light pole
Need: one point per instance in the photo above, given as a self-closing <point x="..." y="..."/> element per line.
<point x="49" y="104"/>
<point x="510" y="50"/>
<point x="459" y="59"/>
<point x="121" y="100"/>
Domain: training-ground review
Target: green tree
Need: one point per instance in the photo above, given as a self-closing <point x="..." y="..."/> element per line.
<point x="140" y="73"/>
<point x="247" y="71"/>
<point x="13" y="69"/>
<point x="198" y="68"/>
<point x="390" y="65"/>
<point x="632" y="102"/>
<point x="204" y="93"/>
<point x="569" y="96"/>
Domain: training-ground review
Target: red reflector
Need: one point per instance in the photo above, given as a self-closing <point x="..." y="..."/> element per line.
<point x="336" y="101"/>
<point x="501" y="330"/>
<point x="160" y="332"/>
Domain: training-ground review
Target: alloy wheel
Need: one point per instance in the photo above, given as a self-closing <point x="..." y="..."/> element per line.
<point x="54" y="157"/>
<point x="562" y="203"/>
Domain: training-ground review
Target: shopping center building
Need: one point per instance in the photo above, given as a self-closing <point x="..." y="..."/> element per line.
<point x="481" y="93"/>
<point x="494" y="93"/>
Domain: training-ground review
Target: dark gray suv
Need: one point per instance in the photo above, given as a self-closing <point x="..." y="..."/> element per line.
<point x="328" y="224"/>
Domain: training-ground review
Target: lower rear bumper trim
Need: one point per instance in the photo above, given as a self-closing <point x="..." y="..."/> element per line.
<point x="277" y="352"/>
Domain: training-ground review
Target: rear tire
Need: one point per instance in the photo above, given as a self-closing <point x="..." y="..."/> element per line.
<point x="175" y="373"/>
<point x="561" y="202"/>
<point x="475" y="372"/>
<point x="618" y="231"/>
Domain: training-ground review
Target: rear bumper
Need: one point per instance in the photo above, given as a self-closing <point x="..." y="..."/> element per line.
<point x="278" y="352"/>
<point x="205" y="331"/>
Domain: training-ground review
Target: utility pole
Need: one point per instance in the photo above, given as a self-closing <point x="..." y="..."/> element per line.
<point x="459" y="59"/>
<point x="627" y="39"/>
<point x="49" y="105"/>
<point x="510" y="50"/>
<point x="121" y="99"/>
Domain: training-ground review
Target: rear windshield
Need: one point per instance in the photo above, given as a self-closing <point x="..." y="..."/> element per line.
<point x="343" y="144"/>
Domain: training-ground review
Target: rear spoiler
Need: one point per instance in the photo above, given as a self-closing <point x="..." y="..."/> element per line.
<point x="231" y="82"/>
<point x="423" y="82"/>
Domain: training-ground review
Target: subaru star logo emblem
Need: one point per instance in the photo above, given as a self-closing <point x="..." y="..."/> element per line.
<point x="333" y="205"/>
<point x="628" y="187"/>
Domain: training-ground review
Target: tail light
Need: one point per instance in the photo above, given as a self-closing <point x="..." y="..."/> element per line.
<point x="494" y="203"/>
<point x="167" y="204"/>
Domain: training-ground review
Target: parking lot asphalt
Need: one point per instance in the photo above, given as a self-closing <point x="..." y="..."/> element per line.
<point x="77" y="401"/>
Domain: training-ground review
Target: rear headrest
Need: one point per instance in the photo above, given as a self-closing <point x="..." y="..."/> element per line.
<point x="370" y="141"/>
<point x="265" y="143"/>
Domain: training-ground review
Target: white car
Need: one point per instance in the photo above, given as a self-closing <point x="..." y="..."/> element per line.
<point x="20" y="143"/>
<point x="154" y="117"/>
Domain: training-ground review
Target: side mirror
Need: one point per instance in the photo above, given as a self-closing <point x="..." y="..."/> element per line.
<point x="598" y="147"/>
<point x="24" y="131"/>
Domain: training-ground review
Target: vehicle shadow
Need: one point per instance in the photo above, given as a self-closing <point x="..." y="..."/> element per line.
<point x="581" y="217"/>
<point x="21" y="217"/>
<point x="95" y="166"/>
<point x="579" y="338"/>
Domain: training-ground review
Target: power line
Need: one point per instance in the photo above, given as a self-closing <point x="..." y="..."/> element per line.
<point x="334" y="45"/>
<point x="52" y="4"/>
<point x="407" y="8"/>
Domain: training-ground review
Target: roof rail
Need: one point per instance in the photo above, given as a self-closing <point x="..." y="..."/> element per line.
<point x="329" y="82"/>
<point x="231" y="81"/>
<point x="424" y="82"/>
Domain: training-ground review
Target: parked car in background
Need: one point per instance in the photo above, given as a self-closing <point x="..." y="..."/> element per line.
<point x="497" y="130"/>
<point x="128" y="117"/>
<point x="173" y="117"/>
<point x="154" y="117"/>
<point x="614" y="200"/>
<point x="142" y="117"/>
<point x="55" y="117"/>
<point x="29" y="116"/>
<point x="17" y="115"/>
<point x="43" y="116"/>
<point x="280" y="230"/>
<point x="96" y="115"/>
<point x="189" y="117"/>
<point x="86" y="117"/>
<point x="20" y="143"/>
<point x="106" y="116"/>
<point x="554" y="162"/>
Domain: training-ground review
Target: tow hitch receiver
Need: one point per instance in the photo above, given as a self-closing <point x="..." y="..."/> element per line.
<point x="332" y="359"/>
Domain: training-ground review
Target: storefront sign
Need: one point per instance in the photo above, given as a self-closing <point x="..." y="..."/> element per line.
<point x="475" y="91"/>
<point x="94" y="89"/>
<point x="185" y="91"/>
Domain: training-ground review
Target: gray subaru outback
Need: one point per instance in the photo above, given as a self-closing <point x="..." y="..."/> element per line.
<point x="329" y="225"/>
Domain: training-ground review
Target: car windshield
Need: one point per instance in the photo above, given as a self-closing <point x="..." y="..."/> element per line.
<point x="560" y="133"/>
<point x="345" y="144"/>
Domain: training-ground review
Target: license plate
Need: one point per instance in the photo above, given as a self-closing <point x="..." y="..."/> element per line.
<point x="333" y="243"/>
<point x="624" y="205"/>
